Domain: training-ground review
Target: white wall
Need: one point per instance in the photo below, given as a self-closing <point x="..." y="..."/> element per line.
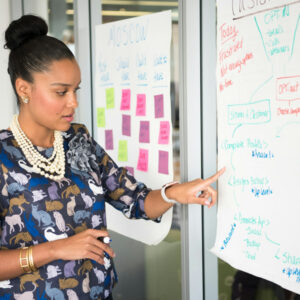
<point x="7" y="98"/>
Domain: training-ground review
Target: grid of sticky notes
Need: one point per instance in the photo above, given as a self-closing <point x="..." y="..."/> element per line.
<point x="144" y="126"/>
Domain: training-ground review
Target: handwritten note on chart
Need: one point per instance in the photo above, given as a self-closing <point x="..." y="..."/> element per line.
<point x="258" y="76"/>
<point x="132" y="102"/>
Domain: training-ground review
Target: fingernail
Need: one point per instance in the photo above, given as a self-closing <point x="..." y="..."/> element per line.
<point x="207" y="202"/>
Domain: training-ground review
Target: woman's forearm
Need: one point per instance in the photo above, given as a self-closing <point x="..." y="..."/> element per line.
<point x="197" y="191"/>
<point x="10" y="259"/>
<point x="155" y="206"/>
<point x="83" y="245"/>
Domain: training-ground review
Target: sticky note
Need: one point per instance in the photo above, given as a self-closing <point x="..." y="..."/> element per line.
<point x="163" y="162"/>
<point x="110" y="98"/>
<point x="101" y="117"/>
<point x="123" y="152"/>
<point x="109" y="142"/>
<point x="164" y="132"/>
<point x="142" y="164"/>
<point x="130" y="170"/>
<point x="126" y="129"/>
<point x="159" y="106"/>
<point x="140" y="105"/>
<point x="144" y="132"/>
<point x="125" y="101"/>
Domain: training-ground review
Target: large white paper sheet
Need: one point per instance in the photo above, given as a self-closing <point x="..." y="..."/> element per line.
<point x="258" y="75"/>
<point x="133" y="109"/>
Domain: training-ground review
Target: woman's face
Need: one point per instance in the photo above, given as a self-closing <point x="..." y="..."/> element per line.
<point x="52" y="95"/>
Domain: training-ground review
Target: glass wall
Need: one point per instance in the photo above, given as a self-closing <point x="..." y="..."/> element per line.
<point x="61" y="21"/>
<point x="151" y="272"/>
<point x="58" y="14"/>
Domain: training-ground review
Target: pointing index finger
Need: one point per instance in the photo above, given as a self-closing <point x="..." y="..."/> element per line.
<point x="214" y="177"/>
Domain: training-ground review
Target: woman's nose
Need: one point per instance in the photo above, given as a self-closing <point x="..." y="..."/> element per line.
<point x="72" y="101"/>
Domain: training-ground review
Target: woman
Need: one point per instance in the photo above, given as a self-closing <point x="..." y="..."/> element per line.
<point x="55" y="178"/>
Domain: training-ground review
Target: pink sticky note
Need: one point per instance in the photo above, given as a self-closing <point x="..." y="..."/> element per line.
<point x="125" y="102"/>
<point x="130" y="170"/>
<point x="126" y="128"/>
<point x="164" y="132"/>
<point x="142" y="164"/>
<point x="144" y="132"/>
<point x="163" y="162"/>
<point x="109" y="142"/>
<point x="141" y="105"/>
<point x="159" y="106"/>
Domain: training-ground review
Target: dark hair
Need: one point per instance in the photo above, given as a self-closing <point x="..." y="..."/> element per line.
<point x="32" y="50"/>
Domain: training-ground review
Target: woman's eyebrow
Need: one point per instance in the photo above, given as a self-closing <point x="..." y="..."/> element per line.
<point x="63" y="84"/>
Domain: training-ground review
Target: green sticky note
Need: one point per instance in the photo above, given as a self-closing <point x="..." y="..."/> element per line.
<point x="101" y="117"/>
<point x="123" y="154"/>
<point x="110" y="98"/>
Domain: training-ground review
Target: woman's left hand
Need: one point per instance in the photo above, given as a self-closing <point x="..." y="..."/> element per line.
<point x="198" y="191"/>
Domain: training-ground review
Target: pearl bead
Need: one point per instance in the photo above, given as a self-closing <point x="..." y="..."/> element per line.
<point x="42" y="165"/>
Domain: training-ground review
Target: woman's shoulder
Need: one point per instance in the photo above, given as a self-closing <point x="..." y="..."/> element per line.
<point x="6" y="139"/>
<point x="5" y="134"/>
<point x="77" y="128"/>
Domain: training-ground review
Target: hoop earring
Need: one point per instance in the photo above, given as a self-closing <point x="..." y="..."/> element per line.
<point x="25" y="99"/>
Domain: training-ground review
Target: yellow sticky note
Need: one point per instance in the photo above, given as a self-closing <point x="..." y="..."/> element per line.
<point x="123" y="153"/>
<point x="101" y="117"/>
<point x="110" y="98"/>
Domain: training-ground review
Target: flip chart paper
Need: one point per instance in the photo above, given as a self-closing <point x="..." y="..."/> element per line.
<point x="258" y="60"/>
<point x="132" y="67"/>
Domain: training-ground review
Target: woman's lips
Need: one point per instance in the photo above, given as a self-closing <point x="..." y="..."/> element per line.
<point x="69" y="118"/>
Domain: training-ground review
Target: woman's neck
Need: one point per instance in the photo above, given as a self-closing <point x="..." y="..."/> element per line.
<point x="38" y="135"/>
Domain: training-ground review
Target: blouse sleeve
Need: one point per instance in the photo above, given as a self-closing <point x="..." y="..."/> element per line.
<point x="4" y="201"/>
<point x="121" y="189"/>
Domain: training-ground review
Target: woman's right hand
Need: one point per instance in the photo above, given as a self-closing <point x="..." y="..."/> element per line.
<point x="83" y="245"/>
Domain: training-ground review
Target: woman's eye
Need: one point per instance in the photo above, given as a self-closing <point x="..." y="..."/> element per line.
<point x="61" y="93"/>
<point x="78" y="88"/>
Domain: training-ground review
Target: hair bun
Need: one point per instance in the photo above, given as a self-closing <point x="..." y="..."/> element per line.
<point x="23" y="29"/>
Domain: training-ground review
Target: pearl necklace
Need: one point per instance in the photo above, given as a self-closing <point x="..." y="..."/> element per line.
<point x="52" y="167"/>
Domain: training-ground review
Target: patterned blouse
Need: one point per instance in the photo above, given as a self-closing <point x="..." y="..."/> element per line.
<point x="34" y="209"/>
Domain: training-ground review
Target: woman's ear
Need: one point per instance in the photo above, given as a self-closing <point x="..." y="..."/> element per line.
<point x="23" y="88"/>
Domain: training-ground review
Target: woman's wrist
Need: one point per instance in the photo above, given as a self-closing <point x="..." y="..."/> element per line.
<point x="168" y="193"/>
<point x="54" y="250"/>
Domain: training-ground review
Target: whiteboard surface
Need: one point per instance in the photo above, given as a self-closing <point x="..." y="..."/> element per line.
<point x="133" y="109"/>
<point x="258" y="82"/>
